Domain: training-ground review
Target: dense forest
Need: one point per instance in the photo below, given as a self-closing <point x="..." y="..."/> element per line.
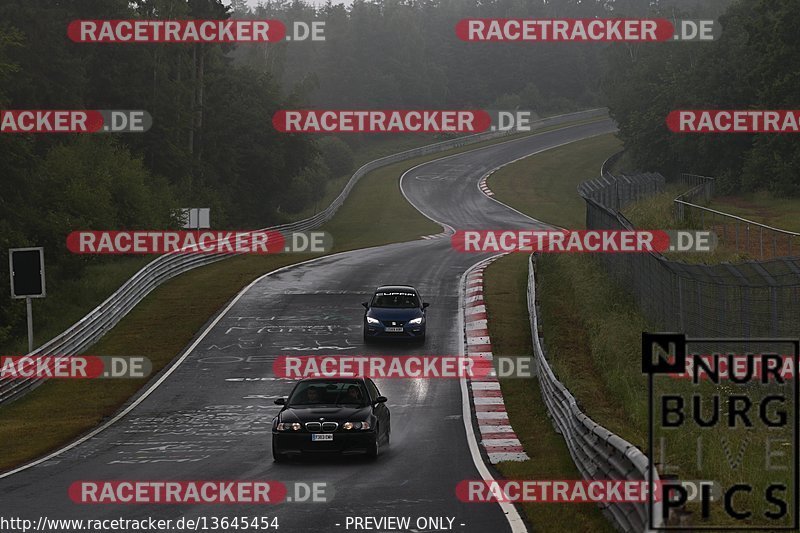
<point x="754" y="65"/>
<point x="212" y="143"/>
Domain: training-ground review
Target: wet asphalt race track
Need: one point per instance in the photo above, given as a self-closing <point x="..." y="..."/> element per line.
<point x="210" y="419"/>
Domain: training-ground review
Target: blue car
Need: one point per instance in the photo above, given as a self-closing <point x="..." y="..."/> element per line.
<point x="395" y="312"/>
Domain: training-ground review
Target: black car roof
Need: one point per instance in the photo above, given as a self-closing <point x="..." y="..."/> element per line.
<point x="337" y="378"/>
<point x="395" y="288"/>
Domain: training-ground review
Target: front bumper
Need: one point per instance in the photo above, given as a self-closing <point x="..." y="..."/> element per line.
<point x="376" y="331"/>
<point x="297" y="443"/>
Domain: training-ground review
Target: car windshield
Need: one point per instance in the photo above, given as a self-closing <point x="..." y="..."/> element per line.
<point x="397" y="299"/>
<point x="328" y="393"/>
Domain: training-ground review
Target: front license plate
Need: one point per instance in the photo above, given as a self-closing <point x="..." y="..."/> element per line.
<point x="321" y="436"/>
<point x="394" y="330"/>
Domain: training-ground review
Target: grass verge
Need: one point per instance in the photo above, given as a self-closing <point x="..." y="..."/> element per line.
<point x="506" y="306"/>
<point x="539" y="186"/>
<point x="593" y="333"/>
<point x="592" y="328"/>
<point x="656" y="212"/>
<point x="544" y="186"/>
<point x="762" y="207"/>
<point x="69" y="300"/>
<point x="59" y="411"/>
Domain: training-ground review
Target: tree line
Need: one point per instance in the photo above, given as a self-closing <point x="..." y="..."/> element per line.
<point x="753" y="65"/>
<point x="212" y="143"/>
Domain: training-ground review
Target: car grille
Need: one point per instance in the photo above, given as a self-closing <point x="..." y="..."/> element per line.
<point x="393" y="323"/>
<point x="325" y="426"/>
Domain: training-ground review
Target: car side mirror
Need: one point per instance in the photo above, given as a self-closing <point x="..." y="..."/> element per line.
<point x="425" y="304"/>
<point x="381" y="399"/>
<point x="280" y="401"/>
<point x="365" y="304"/>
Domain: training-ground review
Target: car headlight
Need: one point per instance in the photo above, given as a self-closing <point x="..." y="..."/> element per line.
<point x="356" y="425"/>
<point x="371" y="320"/>
<point x="285" y="426"/>
<point x="415" y="321"/>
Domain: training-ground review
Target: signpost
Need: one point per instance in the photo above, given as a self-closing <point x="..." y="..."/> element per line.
<point x="26" y="271"/>
<point x="195" y="217"/>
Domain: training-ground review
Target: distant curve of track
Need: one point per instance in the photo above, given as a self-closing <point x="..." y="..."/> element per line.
<point x="210" y="418"/>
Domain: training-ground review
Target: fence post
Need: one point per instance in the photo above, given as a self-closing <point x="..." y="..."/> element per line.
<point x="680" y="304"/>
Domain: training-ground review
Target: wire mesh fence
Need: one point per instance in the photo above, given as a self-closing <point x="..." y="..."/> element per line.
<point x="754" y="239"/>
<point x="747" y="299"/>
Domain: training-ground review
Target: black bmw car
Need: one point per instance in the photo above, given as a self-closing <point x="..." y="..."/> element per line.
<point x="395" y="312"/>
<point x="333" y="415"/>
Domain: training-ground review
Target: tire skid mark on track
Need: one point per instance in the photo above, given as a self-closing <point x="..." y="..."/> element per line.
<point x="497" y="436"/>
<point x="163" y="375"/>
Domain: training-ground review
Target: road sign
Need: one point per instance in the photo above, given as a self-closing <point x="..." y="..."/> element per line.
<point x="196" y="217"/>
<point x="26" y="268"/>
<point x="26" y="271"/>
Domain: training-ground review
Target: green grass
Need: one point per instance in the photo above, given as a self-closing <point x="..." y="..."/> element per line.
<point x="68" y="301"/>
<point x="656" y="212"/>
<point x="592" y="330"/>
<point x="59" y="411"/>
<point x="549" y="459"/>
<point x="370" y="148"/>
<point x="544" y="186"/>
<point x="762" y="207"/>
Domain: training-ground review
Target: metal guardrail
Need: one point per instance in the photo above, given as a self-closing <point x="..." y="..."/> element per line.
<point x="738" y="233"/>
<point x="611" y="161"/>
<point x="699" y="186"/>
<point x="598" y="453"/>
<point x="105" y="316"/>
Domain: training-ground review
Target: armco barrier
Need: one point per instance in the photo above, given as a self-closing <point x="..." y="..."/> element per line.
<point x="598" y="453"/>
<point x="105" y="316"/>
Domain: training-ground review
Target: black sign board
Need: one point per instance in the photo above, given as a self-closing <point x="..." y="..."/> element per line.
<point x="26" y="266"/>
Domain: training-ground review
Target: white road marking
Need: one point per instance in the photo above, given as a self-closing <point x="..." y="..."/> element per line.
<point x="164" y="376"/>
<point x="501" y="442"/>
<point x="488" y="401"/>
<point x="498" y="457"/>
<point x="496" y="429"/>
<point x="485" y="385"/>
